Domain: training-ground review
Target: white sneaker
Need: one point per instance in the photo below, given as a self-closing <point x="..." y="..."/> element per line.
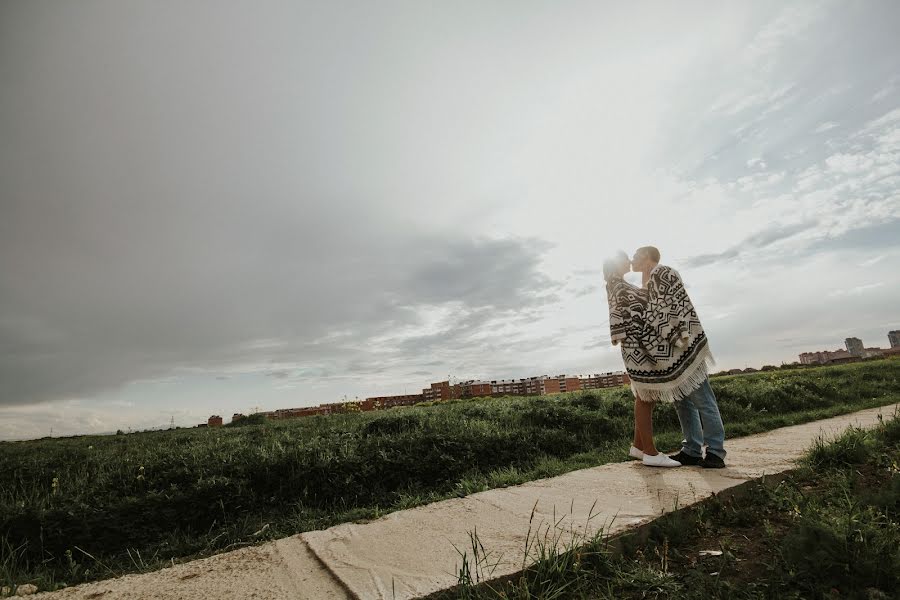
<point x="635" y="453"/>
<point x="660" y="460"/>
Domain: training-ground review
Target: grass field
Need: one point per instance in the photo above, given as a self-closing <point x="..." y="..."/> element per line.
<point x="78" y="509"/>
<point x="829" y="530"/>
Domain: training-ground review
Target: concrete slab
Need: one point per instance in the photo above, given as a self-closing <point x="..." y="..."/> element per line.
<point x="275" y="571"/>
<point x="413" y="552"/>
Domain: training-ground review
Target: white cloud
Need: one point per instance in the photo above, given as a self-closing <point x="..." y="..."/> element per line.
<point x="740" y="100"/>
<point x="886" y="119"/>
<point x="849" y="163"/>
<point x="873" y="261"/>
<point x="857" y="290"/>
<point x="756" y="163"/>
<point x="791" y="23"/>
<point x="828" y="126"/>
<point x="886" y="91"/>
<point x="889" y="142"/>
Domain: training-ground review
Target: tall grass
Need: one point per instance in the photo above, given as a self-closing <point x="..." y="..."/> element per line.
<point x="76" y="509"/>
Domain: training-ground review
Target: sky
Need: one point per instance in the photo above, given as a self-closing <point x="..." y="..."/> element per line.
<point x="209" y="207"/>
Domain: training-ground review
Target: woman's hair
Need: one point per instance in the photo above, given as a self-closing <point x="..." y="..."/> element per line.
<point x="612" y="265"/>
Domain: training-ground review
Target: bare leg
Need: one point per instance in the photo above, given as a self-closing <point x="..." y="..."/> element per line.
<point x="637" y="443"/>
<point x="643" y="414"/>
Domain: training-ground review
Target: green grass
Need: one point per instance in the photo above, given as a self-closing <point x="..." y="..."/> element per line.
<point x="78" y="509"/>
<point x="831" y="529"/>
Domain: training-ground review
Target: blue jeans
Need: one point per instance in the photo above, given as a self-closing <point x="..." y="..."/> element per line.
<point x="701" y="422"/>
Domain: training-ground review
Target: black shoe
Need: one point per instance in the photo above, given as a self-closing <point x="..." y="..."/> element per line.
<point x="712" y="462"/>
<point x="686" y="460"/>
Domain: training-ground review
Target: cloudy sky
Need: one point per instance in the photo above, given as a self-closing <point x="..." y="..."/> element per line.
<point x="208" y="207"/>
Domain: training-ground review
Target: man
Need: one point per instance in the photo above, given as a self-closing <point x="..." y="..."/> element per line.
<point x="675" y="340"/>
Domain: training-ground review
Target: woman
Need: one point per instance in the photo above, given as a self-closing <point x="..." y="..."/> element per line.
<point x="627" y="305"/>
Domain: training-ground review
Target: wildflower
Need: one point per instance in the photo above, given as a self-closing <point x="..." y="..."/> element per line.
<point x="55" y="485"/>
<point x="140" y="476"/>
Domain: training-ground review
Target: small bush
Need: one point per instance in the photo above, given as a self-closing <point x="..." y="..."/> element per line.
<point x="851" y="448"/>
<point x="249" y="420"/>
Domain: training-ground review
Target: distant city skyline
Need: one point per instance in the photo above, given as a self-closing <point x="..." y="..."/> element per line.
<point x="210" y="207"/>
<point x="855" y="348"/>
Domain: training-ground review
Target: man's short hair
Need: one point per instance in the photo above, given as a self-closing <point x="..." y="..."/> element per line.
<point x="652" y="252"/>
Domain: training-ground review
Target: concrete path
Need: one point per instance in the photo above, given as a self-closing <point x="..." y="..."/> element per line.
<point x="412" y="553"/>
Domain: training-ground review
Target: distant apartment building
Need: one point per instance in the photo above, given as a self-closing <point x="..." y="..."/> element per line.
<point x="543" y="384"/>
<point x="444" y="390"/>
<point x="894" y="338"/>
<point x="826" y="357"/>
<point x="471" y="389"/>
<point x="569" y="384"/>
<point x="604" y="380"/>
<point x="533" y="386"/>
<point x="507" y="387"/>
<point x="856" y="350"/>
<point x="437" y="391"/>
<point x="525" y="386"/>
<point x="561" y="384"/>
<point x="855" y="347"/>
<point x="551" y="386"/>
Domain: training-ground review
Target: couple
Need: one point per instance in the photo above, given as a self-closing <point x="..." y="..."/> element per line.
<point x="666" y="357"/>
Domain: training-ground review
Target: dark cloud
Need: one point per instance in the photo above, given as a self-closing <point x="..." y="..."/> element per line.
<point x="82" y="326"/>
<point x="586" y="291"/>
<point x="600" y="343"/>
<point x="217" y="202"/>
<point x="875" y="237"/>
<point x="496" y="275"/>
<point x="756" y="241"/>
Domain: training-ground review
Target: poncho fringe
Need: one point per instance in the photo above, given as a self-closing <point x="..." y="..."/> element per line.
<point x="687" y="382"/>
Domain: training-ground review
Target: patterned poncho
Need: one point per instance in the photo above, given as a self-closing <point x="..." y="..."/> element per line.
<point x="663" y="343"/>
<point x="627" y="307"/>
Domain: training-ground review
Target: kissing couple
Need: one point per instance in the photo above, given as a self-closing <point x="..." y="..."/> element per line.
<point x="667" y="358"/>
